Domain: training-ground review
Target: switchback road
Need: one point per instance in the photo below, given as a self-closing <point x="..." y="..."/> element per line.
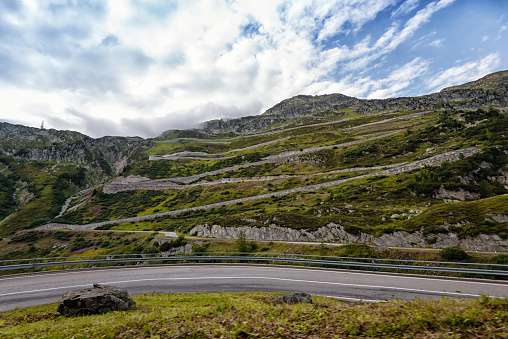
<point x="46" y="287"/>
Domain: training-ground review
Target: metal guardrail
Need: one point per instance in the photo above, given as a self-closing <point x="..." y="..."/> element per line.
<point x="362" y="263"/>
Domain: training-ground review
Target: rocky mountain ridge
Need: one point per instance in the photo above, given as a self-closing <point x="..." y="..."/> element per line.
<point x="106" y="155"/>
<point x="487" y="91"/>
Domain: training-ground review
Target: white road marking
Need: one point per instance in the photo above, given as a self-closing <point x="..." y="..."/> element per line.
<point x="256" y="278"/>
<point x="44" y="290"/>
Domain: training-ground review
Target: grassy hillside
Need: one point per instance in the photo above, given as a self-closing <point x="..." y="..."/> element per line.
<point x="375" y="204"/>
<point x="254" y="315"/>
<point x="35" y="191"/>
<point x="332" y="170"/>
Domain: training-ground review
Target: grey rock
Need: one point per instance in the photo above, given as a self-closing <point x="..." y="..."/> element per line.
<point x="502" y="218"/>
<point x="461" y="194"/>
<point x="293" y="298"/>
<point x="336" y="233"/>
<point x="96" y="300"/>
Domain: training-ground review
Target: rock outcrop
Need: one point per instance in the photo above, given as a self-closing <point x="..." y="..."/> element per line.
<point x="336" y="233"/>
<point x="294" y="298"/>
<point x="501" y="218"/>
<point x="96" y="300"/>
<point x="461" y="194"/>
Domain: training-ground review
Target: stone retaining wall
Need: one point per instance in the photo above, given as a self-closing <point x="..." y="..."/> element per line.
<point x="336" y="233"/>
<point x="281" y="157"/>
<point x="136" y="182"/>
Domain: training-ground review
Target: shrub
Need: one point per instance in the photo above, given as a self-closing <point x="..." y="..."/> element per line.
<point x="37" y="223"/>
<point x="468" y="230"/>
<point x="29" y="236"/>
<point x="165" y="247"/>
<point x="500" y="259"/>
<point x="453" y="253"/>
<point x="180" y="241"/>
<point x="354" y="230"/>
<point x="431" y="241"/>
<point x="244" y="246"/>
<point x="62" y="235"/>
<point x="150" y="249"/>
<point x="358" y="250"/>
<point x="200" y="248"/>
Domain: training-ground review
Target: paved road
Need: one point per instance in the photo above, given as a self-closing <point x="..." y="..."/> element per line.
<point x="41" y="288"/>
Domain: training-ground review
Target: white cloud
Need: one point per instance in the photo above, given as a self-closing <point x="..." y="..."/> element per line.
<point x="138" y="68"/>
<point x="407" y="7"/>
<point x="399" y="79"/>
<point x="416" y="21"/>
<point x="354" y="13"/>
<point x="365" y="53"/>
<point x="437" y="43"/>
<point x="464" y="73"/>
<point x="501" y="30"/>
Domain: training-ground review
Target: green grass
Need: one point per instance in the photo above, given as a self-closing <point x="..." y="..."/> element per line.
<point x="471" y="216"/>
<point x="254" y="315"/>
<point x="40" y="244"/>
<point x="48" y="182"/>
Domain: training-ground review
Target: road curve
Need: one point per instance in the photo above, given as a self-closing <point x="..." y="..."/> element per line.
<point x="46" y="287"/>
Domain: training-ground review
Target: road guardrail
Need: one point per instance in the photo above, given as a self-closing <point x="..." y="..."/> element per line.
<point x="271" y="258"/>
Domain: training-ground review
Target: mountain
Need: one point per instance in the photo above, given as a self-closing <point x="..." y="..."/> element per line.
<point x="105" y="156"/>
<point x="495" y="82"/>
<point x="306" y="109"/>
<point x="428" y="171"/>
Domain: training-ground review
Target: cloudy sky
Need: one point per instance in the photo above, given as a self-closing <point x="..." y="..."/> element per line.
<point x="139" y="67"/>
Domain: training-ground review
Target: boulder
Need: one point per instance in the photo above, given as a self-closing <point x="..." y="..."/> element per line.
<point x="96" y="300"/>
<point x="293" y="298"/>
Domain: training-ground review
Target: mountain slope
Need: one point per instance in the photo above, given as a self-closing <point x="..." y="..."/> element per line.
<point x="372" y="168"/>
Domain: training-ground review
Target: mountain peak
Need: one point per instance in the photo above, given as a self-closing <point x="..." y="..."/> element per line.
<point x="494" y="82"/>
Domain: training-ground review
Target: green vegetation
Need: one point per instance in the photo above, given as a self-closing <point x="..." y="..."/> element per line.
<point x="173" y="168"/>
<point x="45" y="185"/>
<point x="244" y="246"/>
<point x="7" y="188"/>
<point x="254" y="315"/>
<point x="452" y="253"/>
<point x="38" y="244"/>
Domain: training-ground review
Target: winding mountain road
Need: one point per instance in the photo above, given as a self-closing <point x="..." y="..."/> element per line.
<point x="46" y="287"/>
<point x="432" y="161"/>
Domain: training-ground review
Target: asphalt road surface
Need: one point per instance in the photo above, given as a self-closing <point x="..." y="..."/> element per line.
<point x="46" y="287"/>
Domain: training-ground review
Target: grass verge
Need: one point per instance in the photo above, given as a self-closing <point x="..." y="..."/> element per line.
<point x="254" y="315"/>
